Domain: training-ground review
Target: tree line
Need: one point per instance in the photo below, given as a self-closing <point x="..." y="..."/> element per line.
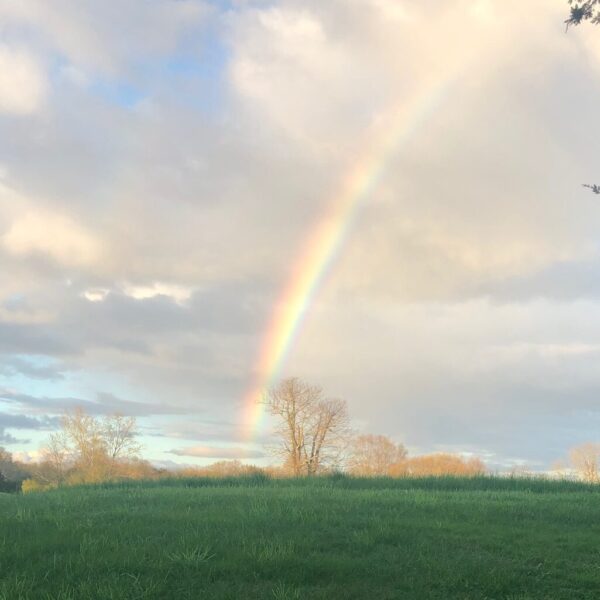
<point x="312" y="437"/>
<point x="86" y="449"/>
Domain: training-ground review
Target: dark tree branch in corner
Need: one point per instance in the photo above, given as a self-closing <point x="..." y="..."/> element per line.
<point x="595" y="188"/>
<point x="580" y="12"/>
<point x="583" y="11"/>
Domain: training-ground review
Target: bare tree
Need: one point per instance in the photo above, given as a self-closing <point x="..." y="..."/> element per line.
<point x="585" y="459"/>
<point x="89" y="449"/>
<point x="118" y="433"/>
<point x="84" y="442"/>
<point x="312" y="430"/>
<point x="373" y="455"/>
<point x="53" y="469"/>
<point x="328" y="430"/>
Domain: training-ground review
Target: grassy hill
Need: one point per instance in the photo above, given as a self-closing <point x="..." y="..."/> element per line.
<point x="327" y="538"/>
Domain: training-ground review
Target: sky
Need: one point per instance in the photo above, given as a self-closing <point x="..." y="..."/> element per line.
<point x="167" y="165"/>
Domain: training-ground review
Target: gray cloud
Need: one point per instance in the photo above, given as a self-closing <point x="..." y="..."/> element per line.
<point x="201" y="155"/>
<point x="26" y="422"/>
<point x="32" y="339"/>
<point x="205" y="429"/>
<point x="11" y="421"/>
<point x="14" y="365"/>
<point x="7" y="438"/>
<point x="563" y="280"/>
<point x="105" y="404"/>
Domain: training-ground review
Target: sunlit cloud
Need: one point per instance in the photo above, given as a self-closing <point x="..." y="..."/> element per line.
<point x="178" y="293"/>
<point x="23" y="84"/>
<point x="55" y="236"/>
<point x="163" y="168"/>
<point x="96" y="294"/>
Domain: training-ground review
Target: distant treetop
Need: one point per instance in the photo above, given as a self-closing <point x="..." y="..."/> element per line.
<point x="584" y="11"/>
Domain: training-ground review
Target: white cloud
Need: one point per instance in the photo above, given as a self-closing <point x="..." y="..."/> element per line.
<point x="31" y="227"/>
<point x="178" y="293"/>
<point x="465" y="291"/>
<point x="286" y="68"/>
<point x="29" y="456"/>
<point x="96" y="294"/>
<point x="56" y="236"/>
<point x="393" y="9"/>
<point x="22" y="82"/>
<point x="325" y="72"/>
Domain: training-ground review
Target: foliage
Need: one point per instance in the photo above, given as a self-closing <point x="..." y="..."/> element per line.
<point x="585" y="459"/>
<point x="90" y="449"/>
<point x="317" y="538"/>
<point x="220" y="469"/>
<point x="4" y="484"/>
<point x="580" y="11"/>
<point x="32" y="485"/>
<point x="438" y="464"/>
<point x="12" y="473"/>
<point x="594" y="187"/>
<point x="589" y="10"/>
<point x="374" y="455"/>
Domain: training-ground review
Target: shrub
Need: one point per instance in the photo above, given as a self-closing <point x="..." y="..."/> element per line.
<point x="31" y="485"/>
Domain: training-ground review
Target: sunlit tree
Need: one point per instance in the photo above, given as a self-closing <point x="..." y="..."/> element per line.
<point x="439" y="464"/>
<point x="585" y="459"/>
<point x="91" y="449"/>
<point x="312" y="430"/>
<point x="119" y="436"/>
<point x="373" y="455"/>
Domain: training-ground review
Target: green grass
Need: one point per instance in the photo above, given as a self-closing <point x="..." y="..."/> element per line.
<point x="330" y="538"/>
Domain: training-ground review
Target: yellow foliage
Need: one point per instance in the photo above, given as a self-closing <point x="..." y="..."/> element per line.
<point x="222" y="468"/>
<point x="374" y="455"/>
<point x="31" y="485"/>
<point x="439" y="464"/>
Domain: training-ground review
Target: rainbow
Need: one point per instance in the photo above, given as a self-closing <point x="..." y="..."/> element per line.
<point x="327" y="240"/>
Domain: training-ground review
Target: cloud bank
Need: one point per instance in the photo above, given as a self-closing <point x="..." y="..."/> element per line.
<point x="162" y="165"/>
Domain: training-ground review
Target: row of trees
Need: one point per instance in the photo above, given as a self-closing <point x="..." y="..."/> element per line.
<point x="89" y="449"/>
<point x="312" y="432"/>
<point x="314" y="436"/>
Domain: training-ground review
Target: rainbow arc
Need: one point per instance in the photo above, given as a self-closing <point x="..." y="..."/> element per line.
<point x="325" y="242"/>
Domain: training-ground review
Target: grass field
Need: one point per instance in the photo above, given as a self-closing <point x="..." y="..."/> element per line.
<point x="333" y="538"/>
